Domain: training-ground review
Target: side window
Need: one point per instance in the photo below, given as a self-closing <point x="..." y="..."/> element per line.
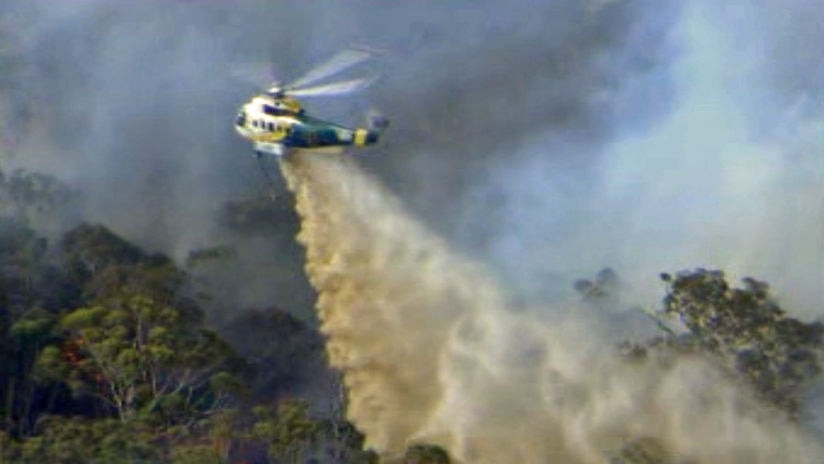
<point x="271" y="127"/>
<point x="270" y="110"/>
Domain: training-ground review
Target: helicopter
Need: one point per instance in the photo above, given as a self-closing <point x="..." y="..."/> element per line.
<point x="277" y="124"/>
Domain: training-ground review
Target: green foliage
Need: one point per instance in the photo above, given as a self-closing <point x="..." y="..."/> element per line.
<point x="134" y="342"/>
<point x="601" y="290"/>
<point x="200" y="453"/>
<point x="104" y="358"/>
<point x="34" y="326"/>
<point x="94" y="247"/>
<point x="259" y="216"/>
<point x="77" y="440"/>
<point x="213" y="254"/>
<point x="18" y="243"/>
<point x="26" y="195"/>
<point x="284" y="351"/>
<point x="288" y="431"/>
<point x="345" y="443"/>
<point x="642" y="451"/>
<point x="140" y="355"/>
<point x="742" y="330"/>
<point x="9" y="449"/>
<point x="28" y="290"/>
<point x="22" y="266"/>
<point x="746" y="329"/>
<point x="425" y="454"/>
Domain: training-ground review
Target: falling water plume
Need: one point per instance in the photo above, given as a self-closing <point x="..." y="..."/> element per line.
<point x="429" y="351"/>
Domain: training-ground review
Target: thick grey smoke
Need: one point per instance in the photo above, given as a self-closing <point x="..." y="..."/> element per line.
<point x="709" y="154"/>
<point x="520" y="128"/>
<point x="132" y="101"/>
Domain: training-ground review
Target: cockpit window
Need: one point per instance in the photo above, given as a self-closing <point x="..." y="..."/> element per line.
<point x="241" y="119"/>
<point x="272" y="111"/>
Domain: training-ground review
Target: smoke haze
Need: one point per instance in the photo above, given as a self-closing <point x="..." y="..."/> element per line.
<point x="430" y="352"/>
<point x="544" y="140"/>
<point x="549" y="138"/>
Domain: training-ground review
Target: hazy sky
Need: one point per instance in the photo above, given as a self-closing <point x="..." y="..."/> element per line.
<point x="547" y="138"/>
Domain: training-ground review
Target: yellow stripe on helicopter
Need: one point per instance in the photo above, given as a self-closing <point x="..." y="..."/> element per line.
<point x="360" y="137"/>
<point x="268" y="137"/>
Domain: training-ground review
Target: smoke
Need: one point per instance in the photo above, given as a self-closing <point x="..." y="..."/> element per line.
<point x="731" y="178"/>
<point x="699" y="155"/>
<point x="134" y="100"/>
<point x="430" y="352"/>
<point x="566" y="135"/>
<point x="709" y="154"/>
<point x="131" y="103"/>
<point x="546" y="139"/>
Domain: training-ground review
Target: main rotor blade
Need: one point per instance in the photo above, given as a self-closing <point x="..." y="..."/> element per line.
<point x="337" y="88"/>
<point x="256" y="74"/>
<point x="336" y="64"/>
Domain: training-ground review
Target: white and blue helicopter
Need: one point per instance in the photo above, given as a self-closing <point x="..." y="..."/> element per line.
<point x="276" y="123"/>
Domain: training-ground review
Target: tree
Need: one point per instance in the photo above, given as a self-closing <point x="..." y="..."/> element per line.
<point x="31" y="290"/>
<point x="343" y="442"/>
<point x="23" y="266"/>
<point x="27" y="196"/>
<point x="22" y="342"/>
<point x="748" y="332"/>
<point x="288" y="430"/>
<point x="286" y="353"/>
<point x="601" y="291"/>
<point x="260" y="216"/>
<point x="642" y="451"/>
<point x="138" y="343"/>
<point x="742" y="330"/>
<point x="140" y="355"/>
<point x="106" y="358"/>
<point x="77" y="440"/>
<point x="425" y="454"/>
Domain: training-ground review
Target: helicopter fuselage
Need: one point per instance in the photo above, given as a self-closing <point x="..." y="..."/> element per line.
<point x="277" y="125"/>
